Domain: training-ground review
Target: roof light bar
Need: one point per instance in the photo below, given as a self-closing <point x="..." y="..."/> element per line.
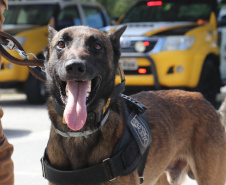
<point x="154" y="3"/>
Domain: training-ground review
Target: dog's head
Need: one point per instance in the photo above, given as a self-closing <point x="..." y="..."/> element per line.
<point x="81" y="64"/>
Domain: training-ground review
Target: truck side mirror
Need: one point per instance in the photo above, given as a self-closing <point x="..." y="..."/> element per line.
<point x="222" y="21"/>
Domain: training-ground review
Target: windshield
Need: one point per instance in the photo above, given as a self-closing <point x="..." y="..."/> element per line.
<point x="29" y="14"/>
<point x="157" y="11"/>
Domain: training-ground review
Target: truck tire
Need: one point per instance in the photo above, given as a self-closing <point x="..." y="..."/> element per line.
<point x="35" y="91"/>
<point x="209" y="83"/>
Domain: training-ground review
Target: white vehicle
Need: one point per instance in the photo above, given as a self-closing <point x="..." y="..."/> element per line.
<point x="222" y="39"/>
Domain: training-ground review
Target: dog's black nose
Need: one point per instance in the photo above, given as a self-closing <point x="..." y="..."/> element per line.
<point x="75" y="67"/>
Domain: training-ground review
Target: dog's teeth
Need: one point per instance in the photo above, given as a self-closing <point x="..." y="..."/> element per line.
<point x="89" y="89"/>
<point x="66" y="90"/>
<point x="87" y="95"/>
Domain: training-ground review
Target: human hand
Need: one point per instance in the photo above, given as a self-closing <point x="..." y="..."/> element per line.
<point x="1" y="112"/>
<point x="1" y="130"/>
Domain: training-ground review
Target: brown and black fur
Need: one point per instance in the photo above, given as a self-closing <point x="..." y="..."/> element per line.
<point x="188" y="136"/>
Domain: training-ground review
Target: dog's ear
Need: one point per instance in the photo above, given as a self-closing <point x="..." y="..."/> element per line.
<point x="115" y="37"/>
<point x="52" y="32"/>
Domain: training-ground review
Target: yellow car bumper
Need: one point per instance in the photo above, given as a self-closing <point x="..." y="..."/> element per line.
<point x="169" y="69"/>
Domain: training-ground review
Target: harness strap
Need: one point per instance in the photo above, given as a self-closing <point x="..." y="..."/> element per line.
<point x="141" y="166"/>
<point x="37" y="74"/>
<point x="105" y="171"/>
<point x="120" y="87"/>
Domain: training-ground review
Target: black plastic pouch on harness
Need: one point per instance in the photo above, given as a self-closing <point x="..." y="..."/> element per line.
<point x="136" y="137"/>
<point x="137" y="123"/>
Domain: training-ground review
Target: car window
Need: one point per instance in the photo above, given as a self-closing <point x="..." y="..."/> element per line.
<point x="29" y="14"/>
<point x="93" y="17"/>
<point x="147" y="11"/>
<point x="68" y="16"/>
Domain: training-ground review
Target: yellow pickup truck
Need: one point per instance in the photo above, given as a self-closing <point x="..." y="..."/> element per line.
<point x="27" y="21"/>
<point x="171" y="44"/>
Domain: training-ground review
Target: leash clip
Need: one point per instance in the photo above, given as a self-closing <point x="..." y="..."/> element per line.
<point x="21" y="53"/>
<point x="11" y="45"/>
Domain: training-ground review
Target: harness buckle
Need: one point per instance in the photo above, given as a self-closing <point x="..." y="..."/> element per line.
<point x="43" y="168"/>
<point x="109" y="169"/>
<point x="141" y="180"/>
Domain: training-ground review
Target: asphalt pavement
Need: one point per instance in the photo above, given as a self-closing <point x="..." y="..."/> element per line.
<point x="27" y="128"/>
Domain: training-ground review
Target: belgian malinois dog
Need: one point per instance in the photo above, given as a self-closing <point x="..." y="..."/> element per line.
<point x="187" y="134"/>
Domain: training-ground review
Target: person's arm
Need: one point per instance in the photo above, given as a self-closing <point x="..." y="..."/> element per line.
<point x="3" y="6"/>
<point x="6" y="163"/>
<point x="6" y="149"/>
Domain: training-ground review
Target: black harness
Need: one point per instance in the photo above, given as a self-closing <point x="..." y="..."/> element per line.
<point x="130" y="153"/>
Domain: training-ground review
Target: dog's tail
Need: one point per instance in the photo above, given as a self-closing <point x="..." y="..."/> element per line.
<point x="222" y="112"/>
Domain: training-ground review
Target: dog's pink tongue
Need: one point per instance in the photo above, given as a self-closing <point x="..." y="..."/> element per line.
<point x="75" y="111"/>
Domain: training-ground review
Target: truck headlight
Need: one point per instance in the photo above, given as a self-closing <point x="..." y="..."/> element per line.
<point x="141" y="46"/>
<point x="20" y="39"/>
<point x="178" y="43"/>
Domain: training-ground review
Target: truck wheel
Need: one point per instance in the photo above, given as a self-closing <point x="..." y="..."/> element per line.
<point x="35" y="91"/>
<point x="209" y="83"/>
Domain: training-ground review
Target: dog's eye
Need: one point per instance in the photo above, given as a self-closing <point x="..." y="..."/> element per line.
<point x="61" y="44"/>
<point x="97" y="46"/>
